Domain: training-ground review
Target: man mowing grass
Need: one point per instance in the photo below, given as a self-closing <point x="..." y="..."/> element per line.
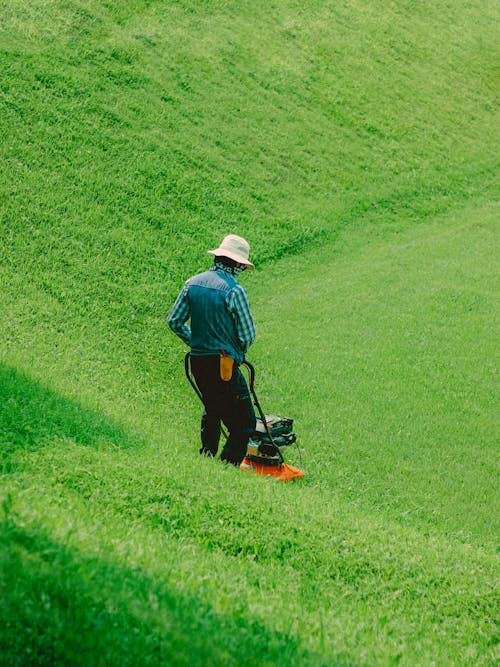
<point x="222" y="330"/>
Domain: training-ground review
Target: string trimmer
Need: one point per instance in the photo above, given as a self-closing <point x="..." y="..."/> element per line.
<point x="264" y="456"/>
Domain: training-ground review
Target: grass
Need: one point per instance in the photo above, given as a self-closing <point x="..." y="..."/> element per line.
<point x="354" y="147"/>
<point x="407" y="382"/>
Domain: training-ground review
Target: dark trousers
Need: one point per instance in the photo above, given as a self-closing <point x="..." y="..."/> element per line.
<point x="227" y="402"/>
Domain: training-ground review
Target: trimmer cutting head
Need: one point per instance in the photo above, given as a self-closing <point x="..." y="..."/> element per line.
<point x="281" y="471"/>
<point x="264" y="455"/>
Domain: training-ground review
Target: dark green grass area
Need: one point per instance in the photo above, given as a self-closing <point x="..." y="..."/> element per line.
<point x="33" y="416"/>
<point x="356" y="148"/>
<point x="66" y="608"/>
<point x="121" y="560"/>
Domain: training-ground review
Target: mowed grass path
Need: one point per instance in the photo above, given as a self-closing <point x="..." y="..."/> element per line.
<point x="388" y="352"/>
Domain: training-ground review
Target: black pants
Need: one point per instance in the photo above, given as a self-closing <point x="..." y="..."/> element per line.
<point x="227" y="402"/>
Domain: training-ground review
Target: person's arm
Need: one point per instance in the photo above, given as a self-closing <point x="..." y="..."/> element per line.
<point x="180" y="315"/>
<point x="240" y="311"/>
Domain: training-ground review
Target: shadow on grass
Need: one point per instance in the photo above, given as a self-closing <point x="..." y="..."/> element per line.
<point x="31" y="415"/>
<point x="62" y="608"/>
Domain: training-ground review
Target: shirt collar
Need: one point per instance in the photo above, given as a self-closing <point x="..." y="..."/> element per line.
<point x="232" y="271"/>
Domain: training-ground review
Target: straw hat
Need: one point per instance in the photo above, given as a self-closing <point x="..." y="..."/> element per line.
<point x="234" y="247"/>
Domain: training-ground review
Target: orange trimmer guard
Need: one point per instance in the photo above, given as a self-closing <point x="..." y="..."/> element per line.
<point x="281" y="471"/>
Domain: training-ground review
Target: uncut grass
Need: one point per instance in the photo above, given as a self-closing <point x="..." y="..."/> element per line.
<point x="318" y="582"/>
<point x="80" y="610"/>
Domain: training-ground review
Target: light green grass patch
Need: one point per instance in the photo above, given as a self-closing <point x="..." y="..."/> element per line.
<point x="387" y="355"/>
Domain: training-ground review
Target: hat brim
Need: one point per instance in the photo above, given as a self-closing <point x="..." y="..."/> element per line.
<point x="222" y="252"/>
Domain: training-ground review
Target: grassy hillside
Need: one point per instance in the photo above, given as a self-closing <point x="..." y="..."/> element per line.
<point x="355" y="147"/>
<point x="394" y="374"/>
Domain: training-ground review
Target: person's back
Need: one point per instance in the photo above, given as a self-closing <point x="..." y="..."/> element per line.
<point x="212" y="324"/>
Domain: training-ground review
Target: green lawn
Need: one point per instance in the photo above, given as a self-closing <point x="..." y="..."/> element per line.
<point x="355" y="147"/>
<point x="391" y="350"/>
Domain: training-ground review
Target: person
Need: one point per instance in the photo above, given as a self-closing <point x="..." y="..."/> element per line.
<point x="222" y="329"/>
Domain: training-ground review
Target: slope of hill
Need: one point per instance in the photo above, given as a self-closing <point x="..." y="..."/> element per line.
<point x="355" y="148"/>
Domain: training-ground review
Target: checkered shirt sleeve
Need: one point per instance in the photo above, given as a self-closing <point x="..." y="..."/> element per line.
<point x="179" y="316"/>
<point x="239" y="308"/>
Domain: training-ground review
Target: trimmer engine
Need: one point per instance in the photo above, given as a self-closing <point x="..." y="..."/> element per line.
<point x="260" y="447"/>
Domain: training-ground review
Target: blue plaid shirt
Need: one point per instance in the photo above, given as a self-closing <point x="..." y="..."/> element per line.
<point x="222" y="317"/>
